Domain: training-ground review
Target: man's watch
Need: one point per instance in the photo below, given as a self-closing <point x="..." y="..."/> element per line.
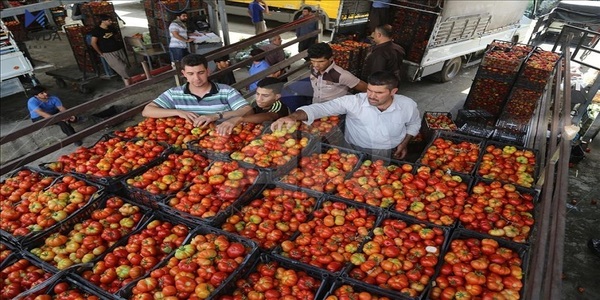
<point x="220" y="115"/>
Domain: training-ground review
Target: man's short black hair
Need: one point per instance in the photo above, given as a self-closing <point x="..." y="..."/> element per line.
<point x="222" y="58"/>
<point x="271" y="83"/>
<point x="193" y="60"/>
<point x="384" y="78"/>
<point x="37" y="89"/>
<point x="320" y="50"/>
<point x="308" y="8"/>
<point x="104" y="18"/>
<point x="256" y="52"/>
<point x="386" y="30"/>
<point x="177" y="15"/>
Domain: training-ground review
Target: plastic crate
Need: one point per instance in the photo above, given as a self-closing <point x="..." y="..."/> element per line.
<point x="223" y="155"/>
<point x="252" y="191"/>
<point x="274" y="171"/>
<point x="477" y="130"/>
<point x="47" y="287"/>
<point x="157" y="215"/>
<point x="360" y="287"/>
<point x="477" y="116"/>
<point x="455" y="138"/>
<point x="538" y="68"/>
<point x="428" y="128"/>
<point x="371" y="211"/>
<point x="521" y="250"/>
<point x="409" y="222"/>
<point x="239" y="209"/>
<point x="519" y="109"/>
<point x="319" y="291"/>
<point x="518" y="52"/>
<point x="509" y="136"/>
<point x="520" y="191"/>
<point x="246" y="264"/>
<point x="37" y="179"/>
<point x="321" y="148"/>
<point x="6" y="249"/>
<point x="144" y="196"/>
<point x="21" y="240"/>
<point x="85" y="214"/>
<point x="488" y="95"/>
<point x="500" y="145"/>
<point x="16" y="257"/>
<point x="112" y="183"/>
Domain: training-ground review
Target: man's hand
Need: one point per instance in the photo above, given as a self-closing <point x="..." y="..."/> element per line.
<point x="204" y="120"/>
<point x="227" y="126"/>
<point x="284" y="122"/>
<point x="401" y="151"/>
<point x="188" y="116"/>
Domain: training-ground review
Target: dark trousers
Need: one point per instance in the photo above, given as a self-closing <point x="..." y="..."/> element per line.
<point x="178" y="53"/>
<point x="65" y="127"/>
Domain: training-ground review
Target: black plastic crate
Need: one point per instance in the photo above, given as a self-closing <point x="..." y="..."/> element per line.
<point x="519" y="109"/>
<point x="477" y="130"/>
<point x="274" y="171"/>
<point x="23" y="239"/>
<point x="219" y="155"/>
<point x="112" y="183"/>
<point x="477" y="116"/>
<point x="12" y="179"/>
<point x="16" y="257"/>
<point x="79" y="271"/>
<point x="522" y="193"/>
<point x="7" y="249"/>
<point x="146" y="197"/>
<point x="319" y="291"/>
<point x="488" y="95"/>
<point x="440" y="249"/>
<point x="252" y="191"/>
<point x="521" y="250"/>
<point x="533" y="165"/>
<point x="359" y="287"/>
<point x="376" y="212"/>
<point x="428" y="129"/>
<point x="321" y="148"/>
<point x="455" y="138"/>
<point x="238" y="209"/>
<point x="521" y="52"/>
<point x="85" y="214"/>
<point x="246" y="264"/>
<point x="535" y="76"/>
<point x="47" y="287"/>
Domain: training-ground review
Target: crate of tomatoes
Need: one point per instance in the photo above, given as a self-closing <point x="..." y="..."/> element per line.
<point x="400" y="258"/>
<point x="60" y="286"/>
<point x="20" y="274"/>
<point x="136" y="255"/>
<point x="48" y="209"/>
<point x="433" y="121"/>
<point x="211" y="194"/>
<point x="478" y="265"/>
<point x="270" y="217"/>
<point x="342" y="288"/>
<point x="509" y="163"/>
<point x="452" y="151"/>
<point x="502" y="210"/>
<point x="88" y="235"/>
<point x="276" y="277"/>
<point x="323" y="168"/>
<point x="207" y="262"/>
<point x="217" y="146"/>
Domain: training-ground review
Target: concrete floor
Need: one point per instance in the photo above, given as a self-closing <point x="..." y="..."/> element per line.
<point x="581" y="268"/>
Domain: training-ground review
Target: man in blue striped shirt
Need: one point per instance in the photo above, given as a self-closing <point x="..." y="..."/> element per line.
<point x="199" y="101"/>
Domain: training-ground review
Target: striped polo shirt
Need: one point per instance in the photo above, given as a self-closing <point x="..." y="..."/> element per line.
<point x="220" y="98"/>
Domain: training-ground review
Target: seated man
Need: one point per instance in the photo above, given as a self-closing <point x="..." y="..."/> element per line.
<point x="378" y="122"/>
<point x="258" y="65"/>
<point x="226" y="77"/>
<point x="199" y="101"/>
<point x="43" y="106"/>
<point x="267" y="107"/>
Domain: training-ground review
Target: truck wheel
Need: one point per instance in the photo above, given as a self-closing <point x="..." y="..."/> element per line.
<point x="450" y="69"/>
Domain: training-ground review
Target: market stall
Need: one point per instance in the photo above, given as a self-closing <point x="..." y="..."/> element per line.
<point x="164" y="209"/>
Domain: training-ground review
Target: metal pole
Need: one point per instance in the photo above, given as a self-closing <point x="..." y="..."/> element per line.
<point x="224" y="25"/>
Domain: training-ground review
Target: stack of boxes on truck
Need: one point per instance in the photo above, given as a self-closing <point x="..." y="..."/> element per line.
<point x="160" y="14"/>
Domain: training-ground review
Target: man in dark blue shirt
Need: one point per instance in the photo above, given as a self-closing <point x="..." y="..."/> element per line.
<point x="256" y="9"/>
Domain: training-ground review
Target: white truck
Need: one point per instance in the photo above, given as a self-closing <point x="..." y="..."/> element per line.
<point x="441" y="36"/>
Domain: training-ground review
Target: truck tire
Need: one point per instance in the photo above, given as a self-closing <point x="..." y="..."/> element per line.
<point x="450" y="69"/>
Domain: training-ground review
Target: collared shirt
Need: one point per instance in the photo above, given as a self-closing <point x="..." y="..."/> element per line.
<point x="381" y="4"/>
<point x="255" y="69"/>
<point x="175" y="42"/>
<point x="49" y="106"/>
<point x="220" y="98"/>
<point x="333" y="83"/>
<point x="366" y="125"/>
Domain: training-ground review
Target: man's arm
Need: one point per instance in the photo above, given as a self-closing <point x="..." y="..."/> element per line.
<point x="178" y="36"/>
<point x="152" y="110"/>
<point x="42" y="113"/>
<point x="289" y="121"/>
<point x="361" y="86"/>
<point x="94" y="44"/>
<point x="402" y="149"/>
<point x="226" y="127"/>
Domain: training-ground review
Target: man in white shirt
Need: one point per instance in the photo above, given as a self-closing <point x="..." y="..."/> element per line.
<point x="178" y="45"/>
<point x="378" y="122"/>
